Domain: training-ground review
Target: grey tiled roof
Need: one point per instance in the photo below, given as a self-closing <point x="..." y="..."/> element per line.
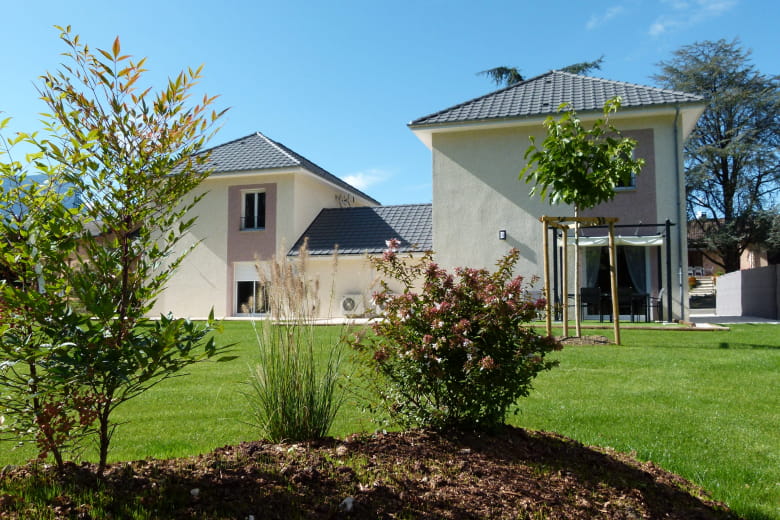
<point x="258" y="152"/>
<point x="364" y="230"/>
<point x="543" y="95"/>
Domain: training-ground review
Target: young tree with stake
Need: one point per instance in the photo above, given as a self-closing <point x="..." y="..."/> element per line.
<point x="580" y="166"/>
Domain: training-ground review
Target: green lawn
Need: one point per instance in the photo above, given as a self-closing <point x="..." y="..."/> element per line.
<point x="705" y="405"/>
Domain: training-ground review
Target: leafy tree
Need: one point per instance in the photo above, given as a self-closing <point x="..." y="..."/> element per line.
<point x="580" y="166"/>
<point x="133" y="157"/>
<point x="505" y="76"/>
<point x="732" y="165"/>
<point x="773" y="239"/>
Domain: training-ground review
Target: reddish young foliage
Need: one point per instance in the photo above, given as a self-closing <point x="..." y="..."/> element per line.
<point x="458" y="352"/>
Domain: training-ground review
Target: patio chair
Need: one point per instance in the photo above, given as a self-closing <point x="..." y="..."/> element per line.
<point x="640" y="306"/>
<point x="657" y="303"/>
<point x="625" y="303"/>
<point x="590" y="297"/>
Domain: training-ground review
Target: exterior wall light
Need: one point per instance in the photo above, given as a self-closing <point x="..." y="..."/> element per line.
<point x="502" y="234"/>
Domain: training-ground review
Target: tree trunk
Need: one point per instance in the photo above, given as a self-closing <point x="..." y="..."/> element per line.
<point x="577" y="298"/>
<point x="731" y="259"/>
<point x="104" y="434"/>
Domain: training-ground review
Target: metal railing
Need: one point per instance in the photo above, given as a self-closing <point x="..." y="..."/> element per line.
<point x="252" y="222"/>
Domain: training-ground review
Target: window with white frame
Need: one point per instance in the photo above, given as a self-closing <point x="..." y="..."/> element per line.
<point x="253" y="210"/>
<point x="251" y="297"/>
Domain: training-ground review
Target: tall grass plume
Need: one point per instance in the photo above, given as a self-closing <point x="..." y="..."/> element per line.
<point x="294" y="393"/>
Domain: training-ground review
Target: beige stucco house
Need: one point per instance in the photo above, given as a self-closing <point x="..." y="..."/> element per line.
<point x="481" y="209"/>
<point x="260" y="197"/>
<point x="263" y="199"/>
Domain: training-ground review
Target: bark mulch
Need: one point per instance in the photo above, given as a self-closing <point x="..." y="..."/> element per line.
<point x="513" y="473"/>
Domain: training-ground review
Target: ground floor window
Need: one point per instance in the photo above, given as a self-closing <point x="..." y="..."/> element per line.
<point x="251" y="297"/>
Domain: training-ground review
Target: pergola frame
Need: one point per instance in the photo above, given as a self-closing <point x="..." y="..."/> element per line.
<point x="565" y="224"/>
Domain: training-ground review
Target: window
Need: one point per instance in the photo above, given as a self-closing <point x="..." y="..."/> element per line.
<point x="251" y="298"/>
<point x="631" y="184"/>
<point x="253" y="212"/>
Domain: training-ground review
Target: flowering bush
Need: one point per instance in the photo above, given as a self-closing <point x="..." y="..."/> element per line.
<point x="458" y="352"/>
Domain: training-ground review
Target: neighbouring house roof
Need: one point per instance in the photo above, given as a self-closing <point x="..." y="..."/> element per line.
<point x="258" y="152"/>
<point x="700" y="229"/>
<point x="363" y="230"/>
<point x="543" y="95"/>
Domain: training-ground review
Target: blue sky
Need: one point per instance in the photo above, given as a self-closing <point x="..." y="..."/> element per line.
<point x="338" y="81"/>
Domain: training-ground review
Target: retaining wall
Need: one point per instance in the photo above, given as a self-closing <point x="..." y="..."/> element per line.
<point x="752" y="292"/>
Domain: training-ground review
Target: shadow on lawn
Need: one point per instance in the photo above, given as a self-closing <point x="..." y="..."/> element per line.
<point x="743" y="346"/>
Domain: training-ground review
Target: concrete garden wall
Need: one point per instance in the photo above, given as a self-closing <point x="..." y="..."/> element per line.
<point x="752" y="292"/>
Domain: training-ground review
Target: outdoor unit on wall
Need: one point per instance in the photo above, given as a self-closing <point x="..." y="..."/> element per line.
<point x="380" y="308"/>
<point x="352" y="304"/>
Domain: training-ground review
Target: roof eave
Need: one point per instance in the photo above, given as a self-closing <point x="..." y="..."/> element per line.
<point x="691" y="111"/>
<point x="254" y="171"/>
<point x="319" y="254"/>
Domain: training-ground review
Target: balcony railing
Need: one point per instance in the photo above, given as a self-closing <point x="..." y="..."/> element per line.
<point x="252" y="222"/>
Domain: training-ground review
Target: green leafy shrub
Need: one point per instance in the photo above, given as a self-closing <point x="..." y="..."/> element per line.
<point x="82" y="282"/>
<point x="458" y="352"/>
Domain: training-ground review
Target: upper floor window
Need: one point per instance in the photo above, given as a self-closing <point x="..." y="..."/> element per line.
<point x="630" y="185"/>
<point x="253" y="212"/>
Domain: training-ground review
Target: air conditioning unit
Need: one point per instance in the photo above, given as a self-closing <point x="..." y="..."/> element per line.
<point x="352" y="304"/>
<point x="380" y="308"/>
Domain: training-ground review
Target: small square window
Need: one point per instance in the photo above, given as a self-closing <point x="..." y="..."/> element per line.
<point x="630" y="185"/>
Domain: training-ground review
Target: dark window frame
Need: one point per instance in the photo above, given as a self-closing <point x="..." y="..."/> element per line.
<point x="253" y="210"/>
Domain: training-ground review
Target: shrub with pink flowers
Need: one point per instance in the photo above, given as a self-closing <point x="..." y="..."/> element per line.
<point x="454" y="349"/>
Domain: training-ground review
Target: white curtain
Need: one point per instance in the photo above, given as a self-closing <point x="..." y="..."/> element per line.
<point x="592" y="264"/>
<point x="634" y="247"/>
<point x="635" y="259"/>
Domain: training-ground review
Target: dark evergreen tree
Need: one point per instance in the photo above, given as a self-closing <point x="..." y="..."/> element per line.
<point x="505" y="76"/>
<point x="732" y="165"/>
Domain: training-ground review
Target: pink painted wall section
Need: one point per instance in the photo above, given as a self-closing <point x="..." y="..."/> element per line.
<point x="251" y="244"/>
<point x="247" y="245"/>
<point x="633" y="206"/>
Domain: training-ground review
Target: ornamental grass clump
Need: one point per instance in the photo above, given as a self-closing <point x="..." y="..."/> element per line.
<point x="294" y="387"/>
<point x="454" y="349"/>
